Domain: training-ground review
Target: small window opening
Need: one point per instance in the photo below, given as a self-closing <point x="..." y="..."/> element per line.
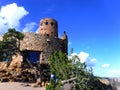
<point x="52" y="23"/>
<point x="47" y="35"/>
<point x="46" y="23"/>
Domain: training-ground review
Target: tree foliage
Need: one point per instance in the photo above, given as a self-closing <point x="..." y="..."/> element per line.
<point x="59" y="62"/>
<point x="10" y="44"/>
<point x="65" y="68"/>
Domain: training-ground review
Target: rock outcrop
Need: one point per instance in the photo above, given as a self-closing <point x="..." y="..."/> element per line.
<point x="114" y="83"/>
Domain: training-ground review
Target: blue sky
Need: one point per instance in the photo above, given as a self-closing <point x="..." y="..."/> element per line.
<point x="93" y="27"/>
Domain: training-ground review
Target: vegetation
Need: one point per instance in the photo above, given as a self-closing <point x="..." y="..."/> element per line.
<point x="65" y="68"/>
<point x="10" y="44"/>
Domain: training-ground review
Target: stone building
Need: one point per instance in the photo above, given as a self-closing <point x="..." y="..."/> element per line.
<point x="35" y="47"/>
<point x="40" y="46"/>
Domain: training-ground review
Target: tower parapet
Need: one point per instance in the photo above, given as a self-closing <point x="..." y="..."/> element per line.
<point x="64" y="36"/>
<point x="48" y="26"/>
<point x="64" y="42"/>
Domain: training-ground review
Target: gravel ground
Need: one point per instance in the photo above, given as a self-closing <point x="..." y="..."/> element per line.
<point x="115" y="82"/>
<point x="18" y="86"/>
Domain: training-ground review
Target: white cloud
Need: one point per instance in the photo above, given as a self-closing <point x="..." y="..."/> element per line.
<point x="30" y="27"/>
<point x="3" y="26"/>
<point x="84" y="57"/>
<point x="91" y="62"/>
<point x="105" y="65"/>
<point x="37" y="30"/>
<point x="10" y="16"/>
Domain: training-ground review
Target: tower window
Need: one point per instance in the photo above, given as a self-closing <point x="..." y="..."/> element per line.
<point x="46" y="23"/>
<point x="47" y="35"/>
<point x="52" y="23"/>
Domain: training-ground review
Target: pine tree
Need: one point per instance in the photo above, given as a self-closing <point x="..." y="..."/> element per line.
<point x="10" y="44"/>
<point x="73" y="71"/>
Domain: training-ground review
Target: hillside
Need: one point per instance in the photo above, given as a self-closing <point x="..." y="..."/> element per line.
<point x="114" y="82"/>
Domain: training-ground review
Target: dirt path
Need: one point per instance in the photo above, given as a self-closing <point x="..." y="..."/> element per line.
<point x="18" y="86"/>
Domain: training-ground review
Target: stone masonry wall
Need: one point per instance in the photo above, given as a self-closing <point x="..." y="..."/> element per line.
<point x="43" y="43"/>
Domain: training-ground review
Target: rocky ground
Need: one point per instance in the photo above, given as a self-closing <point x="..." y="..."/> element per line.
<point x="19" y="86"/>
<point x="114" y="82"/>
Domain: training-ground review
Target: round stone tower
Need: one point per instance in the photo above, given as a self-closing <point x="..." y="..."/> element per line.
<point x="48" y="26"/>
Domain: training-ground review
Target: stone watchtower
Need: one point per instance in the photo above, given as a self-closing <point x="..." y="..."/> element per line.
<point x="48" y="26"/>
<point x="40" y="46"/>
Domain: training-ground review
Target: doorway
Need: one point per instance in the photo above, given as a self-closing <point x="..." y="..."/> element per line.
<point x="33" y="56"/>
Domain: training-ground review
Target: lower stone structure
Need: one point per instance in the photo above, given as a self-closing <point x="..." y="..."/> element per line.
<point x="43" y="44"/>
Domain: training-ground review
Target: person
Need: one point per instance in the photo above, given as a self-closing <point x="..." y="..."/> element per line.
<point x="54" y="78"/>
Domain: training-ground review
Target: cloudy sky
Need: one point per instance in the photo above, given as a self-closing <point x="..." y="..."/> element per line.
<point x="93" y="27"/>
